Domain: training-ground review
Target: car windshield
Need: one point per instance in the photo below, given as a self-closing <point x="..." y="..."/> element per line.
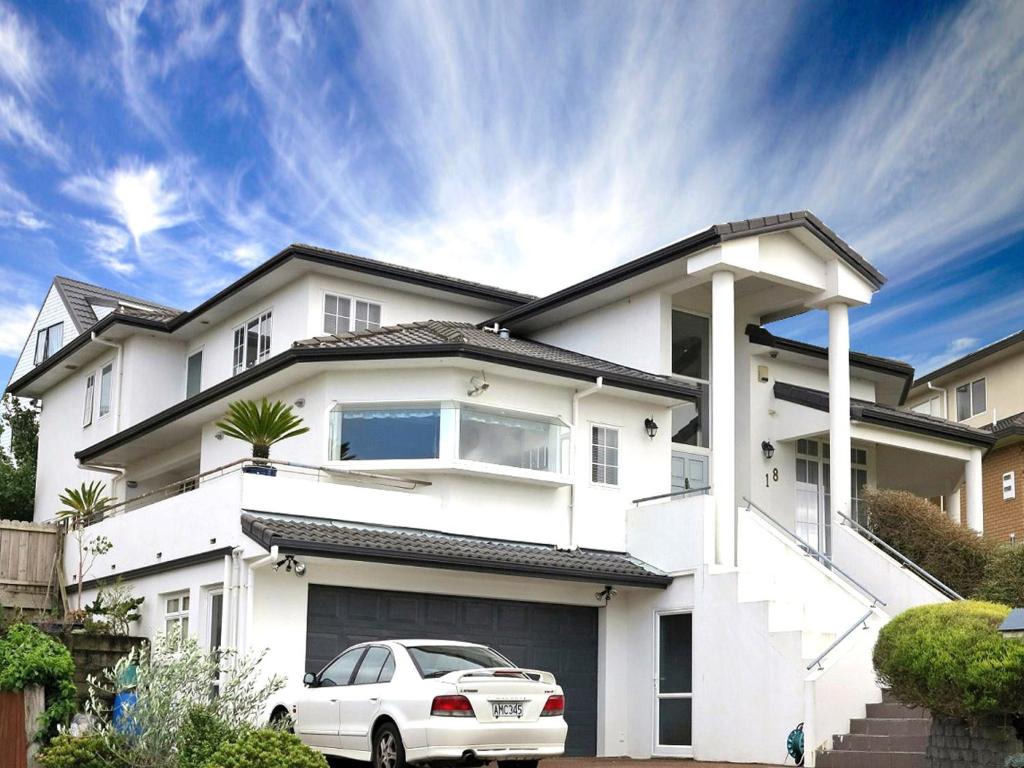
<point x="438" y="660"/>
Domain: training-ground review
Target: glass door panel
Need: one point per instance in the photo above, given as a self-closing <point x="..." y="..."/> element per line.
<point x="674" y="695"/>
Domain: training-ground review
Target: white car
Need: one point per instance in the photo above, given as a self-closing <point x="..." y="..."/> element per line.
<point x="412" y="701"/>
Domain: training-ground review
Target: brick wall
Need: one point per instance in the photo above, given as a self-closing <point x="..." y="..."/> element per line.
<point x="952" y="743"/>
<point x="1003" y="517"/>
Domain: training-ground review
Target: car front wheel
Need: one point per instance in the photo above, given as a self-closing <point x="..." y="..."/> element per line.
<point x="388" y="750"/>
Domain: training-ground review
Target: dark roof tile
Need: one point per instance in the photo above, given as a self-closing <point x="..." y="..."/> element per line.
<point x="80" y="298"/>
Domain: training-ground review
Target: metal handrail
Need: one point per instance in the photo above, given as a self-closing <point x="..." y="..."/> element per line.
<point x="812" y="552"/>
<point x="673" y="494"/>
<point x="903" y="559"/>
<point x="862" y="620"/>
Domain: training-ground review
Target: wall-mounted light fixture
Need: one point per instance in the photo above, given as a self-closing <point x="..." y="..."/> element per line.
<point x="606" y="594"/>
<point x="218" y="435"/>
<point x="291" y="565"/>
<point x="650" y="427"/>
<point x="132" y="483"/>
<point x="300" y="403"/>
<point x="478" y="385"/>
<point x="767" y="449"/>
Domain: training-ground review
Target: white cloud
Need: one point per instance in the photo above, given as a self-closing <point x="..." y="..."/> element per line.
<point x="19" y="125"/>
<point x="248" y="255"/>
<point x="143" y="198"/>
<point x="20" y="59"/>
<point x="15" y="325"/>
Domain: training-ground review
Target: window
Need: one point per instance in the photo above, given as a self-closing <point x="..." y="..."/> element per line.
<point x="106" y="377"/>
<point x="90" y="395"/>
<point x="931" y="407"/>
<point x="691" y="357"/>
<point x="386" y="433"/>
<point x="604" y="455"/>
<point x="439" y="660"/>
<point x="1009" y="486"/>
<point x="339" y="671"/>
<point x="251" y="342"/>
<point x="48" y="341"/>
<point x="675" y="680"/>
<point x="372" y="667"/>
<point x="512" y="441"/>
<point x="216" y="616"/>
<point x="176" y="613"/>
<point x="193" y="373"/>
<point x="970" y="400"/>
<point x="339" y="317"/>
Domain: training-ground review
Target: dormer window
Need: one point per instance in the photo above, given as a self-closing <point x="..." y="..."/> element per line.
<point x="251" y="342"/>
<point x="48" y="341"/>
<point x="343" y="314"/>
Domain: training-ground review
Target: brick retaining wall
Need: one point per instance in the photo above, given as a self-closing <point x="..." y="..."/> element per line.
<point x="953" y="743"/>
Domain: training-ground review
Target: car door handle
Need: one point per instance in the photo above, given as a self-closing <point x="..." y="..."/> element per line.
<point x="375" y="698"/>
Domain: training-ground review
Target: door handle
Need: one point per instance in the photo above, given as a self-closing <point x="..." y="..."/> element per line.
<point x="375" y="698"/>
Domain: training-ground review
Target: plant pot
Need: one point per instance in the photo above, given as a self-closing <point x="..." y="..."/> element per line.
<point x="260" y="469"/>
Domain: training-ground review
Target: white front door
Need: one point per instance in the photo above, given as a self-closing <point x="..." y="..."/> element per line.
<point x="808" y="499"/>
<point x="689" y="470"/>
<point x="673" y="689"/>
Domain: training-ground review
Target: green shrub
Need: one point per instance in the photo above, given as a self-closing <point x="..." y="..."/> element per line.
<point x="27" y="657"/>
<point x="66" y="751"/>
<point x="922" y="532"/>
<point x="201" y="734"/>
<point x="266" y="748"/>
<point x="1003" y="580"/>
<point x="951" y="659"/>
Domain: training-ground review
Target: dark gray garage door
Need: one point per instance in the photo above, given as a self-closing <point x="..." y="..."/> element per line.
<point x="559" y="638"/>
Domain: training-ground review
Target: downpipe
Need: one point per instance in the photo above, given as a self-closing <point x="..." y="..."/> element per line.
<point x="576" y="397"/>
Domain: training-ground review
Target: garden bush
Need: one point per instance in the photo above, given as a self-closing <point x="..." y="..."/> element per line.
<point x="66" y="751"/>
<point x="951" y="659"/>
<point x="202" y="733"/>
<point x="266" y="748"/>
<point x="923" y="533"/>
<point x="1003" y="579"/>
<point x="27" y="657"/>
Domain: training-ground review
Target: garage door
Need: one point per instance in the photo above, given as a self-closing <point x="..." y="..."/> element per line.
<point x="559" y="638"/>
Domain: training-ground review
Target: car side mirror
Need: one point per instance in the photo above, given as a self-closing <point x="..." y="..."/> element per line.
<point x="309" y="680"/>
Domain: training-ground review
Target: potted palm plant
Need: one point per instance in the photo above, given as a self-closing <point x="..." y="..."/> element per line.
<point x="261" y="425"/>
<point x="83" y="506"/>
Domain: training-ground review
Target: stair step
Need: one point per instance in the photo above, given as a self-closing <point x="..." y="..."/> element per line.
<point x="856" y="759"/>
<point x="895" y="710"/>
<point x="864" y="742"/>
<point x="891" y="726"/>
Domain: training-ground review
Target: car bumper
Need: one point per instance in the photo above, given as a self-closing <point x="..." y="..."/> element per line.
<point x="454" y="738"/>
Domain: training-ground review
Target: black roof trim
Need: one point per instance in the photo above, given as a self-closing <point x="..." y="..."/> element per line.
<point x="883" y="416"/>
<point x="296" y="355"/>
<point x="719" y="233"/>
<point x="295" y="251"/>
<point x="452" y="552"/>
<point x="1011" y="426"/>
<point x="161" y="567"/>
<point x="972" y="357"/>
<point x="883" y="365"/>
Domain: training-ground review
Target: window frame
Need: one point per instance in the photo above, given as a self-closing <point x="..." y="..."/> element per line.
<point x="360" y="649"/>
<point x="240" y="364"/>
<point x="353" y="312"/>
<point x="188" y="359"/>
<point x="182" y="615"/>
<point x="968" y="388"/>
<point x="90" y="399"/>
<point x="105" y="373"/>
<point x="606" y="428"/>
<point x="44" y="335"/>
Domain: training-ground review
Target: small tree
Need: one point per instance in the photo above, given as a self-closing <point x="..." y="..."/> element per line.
<point x="261" y="424"/>
<point x="18" y="466"/>
<point x="81" y="506"/>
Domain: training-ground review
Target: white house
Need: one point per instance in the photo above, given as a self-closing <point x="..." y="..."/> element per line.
<point x="629" y="482"/>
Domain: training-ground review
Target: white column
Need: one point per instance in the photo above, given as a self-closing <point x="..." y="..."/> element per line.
<point x="723" y="414"/>
<point x="953" y="505"/>
<point x="839" y="405"/>
<point x="972" y="489"/>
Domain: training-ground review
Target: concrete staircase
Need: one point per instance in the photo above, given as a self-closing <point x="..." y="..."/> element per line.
<point x="892" y="735"/>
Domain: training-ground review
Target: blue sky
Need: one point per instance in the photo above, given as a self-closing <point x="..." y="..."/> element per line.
<point x="165" y="148"/>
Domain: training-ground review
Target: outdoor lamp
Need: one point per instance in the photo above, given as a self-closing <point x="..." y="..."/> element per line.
<point x="651" y="426"/>
<point x="767" y="449"/>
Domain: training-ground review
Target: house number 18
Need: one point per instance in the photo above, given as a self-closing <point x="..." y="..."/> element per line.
<point x="773" y="478"/>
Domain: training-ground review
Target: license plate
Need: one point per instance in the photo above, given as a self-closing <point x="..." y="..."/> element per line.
<point x="507" y="710"/>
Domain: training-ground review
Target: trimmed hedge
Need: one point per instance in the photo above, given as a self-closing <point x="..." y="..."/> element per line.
<point x="951" y="659"/>
<point x="1003" y="579"/>
<point x="266" y="748"/>
<point x="66" y="751"/>
<point x="922" y="532"/>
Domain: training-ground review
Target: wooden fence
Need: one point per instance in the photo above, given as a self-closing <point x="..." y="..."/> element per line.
<point x="29" y="562"/>
<point x="19" y="721"/>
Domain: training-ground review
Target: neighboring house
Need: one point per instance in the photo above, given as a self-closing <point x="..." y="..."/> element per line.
<point x="563" y="477"/>
<point x="985" y="389"/>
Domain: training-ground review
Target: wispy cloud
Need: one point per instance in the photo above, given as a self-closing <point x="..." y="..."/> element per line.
<point x="15" y="326"/>
<point x="20" y="60"/>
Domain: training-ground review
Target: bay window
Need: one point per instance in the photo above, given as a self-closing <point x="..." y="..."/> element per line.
<point x="386" y="433"/>
<point x="510" y="440"/>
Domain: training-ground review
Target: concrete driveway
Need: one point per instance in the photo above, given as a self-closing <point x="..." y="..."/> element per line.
<point x="625" y="762"/>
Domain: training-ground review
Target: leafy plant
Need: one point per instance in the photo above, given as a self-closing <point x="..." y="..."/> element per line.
<point x="172" y="678"/>
<point x="27" y="657"/>
<point x="113" y="610"/>
<point x="951" y="659"/>
<point x="81" y="506"/>
<point x="261" y="424"/>
<point x="920" y="531"/>
<point x="18" y="467"/>
<point x="1003" y="578"/>
<point x="202" y="734"/>
<point x="266" y="748"/>
<point x="67" y="751"/>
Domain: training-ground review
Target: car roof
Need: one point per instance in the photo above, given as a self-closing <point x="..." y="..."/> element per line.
<point x="421" y="643"/>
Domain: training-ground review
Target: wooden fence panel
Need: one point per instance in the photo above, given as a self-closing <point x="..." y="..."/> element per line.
<point x="28" y="557"/>
<point x="13" y="742"/>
